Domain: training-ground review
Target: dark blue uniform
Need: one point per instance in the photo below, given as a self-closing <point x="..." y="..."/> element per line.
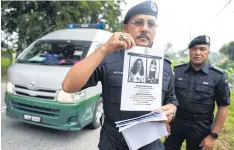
<point x="110" y="73"/>
<point x="197" y="92"/>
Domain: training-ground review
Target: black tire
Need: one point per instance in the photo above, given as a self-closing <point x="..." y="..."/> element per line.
<point x="97" y="114"/>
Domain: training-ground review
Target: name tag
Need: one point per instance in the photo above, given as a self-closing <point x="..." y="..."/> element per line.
<point x="117" y="72"/>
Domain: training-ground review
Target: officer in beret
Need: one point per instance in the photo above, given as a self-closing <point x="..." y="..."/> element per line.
<point x="106" y="65"/>
<point x="198" y="86"/>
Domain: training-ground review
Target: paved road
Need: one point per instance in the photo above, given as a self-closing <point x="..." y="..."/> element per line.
<point x="16" y="135"/>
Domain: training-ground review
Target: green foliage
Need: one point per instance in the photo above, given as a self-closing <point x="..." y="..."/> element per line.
<point x="6" y="58"/>
<point x="228" y="50"/>
<point x="5" y="62"/>
<point x="230" y="77"/>
<point x="224" y="49"/>
<point x="179" y="61"/>
<point x="227" y="63"/>
<point x="31" y="18"/>
<point x="230" y="71"/>
<point x="174" y="63"/>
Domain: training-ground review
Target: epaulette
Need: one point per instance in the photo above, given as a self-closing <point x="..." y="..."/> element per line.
<point x="167" y="60"/>
<point x="217" y="69"/>
<point x="181" y="64"/>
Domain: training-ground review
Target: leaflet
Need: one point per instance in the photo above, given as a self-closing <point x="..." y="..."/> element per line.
<point x="142" y="77"/>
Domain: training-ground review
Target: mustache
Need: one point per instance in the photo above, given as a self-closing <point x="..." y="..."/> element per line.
<point x="143" y="35"/>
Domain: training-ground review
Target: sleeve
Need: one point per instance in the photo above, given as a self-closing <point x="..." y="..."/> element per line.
<point x="222" y="92"/>
<point x="95" y="77"/>
<point x="170" y="97"/>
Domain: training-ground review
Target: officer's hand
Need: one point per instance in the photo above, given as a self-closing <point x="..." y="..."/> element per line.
<point x="118" y="41"/>
<point x="208" y="143"/>
<point x="169" y="110"/>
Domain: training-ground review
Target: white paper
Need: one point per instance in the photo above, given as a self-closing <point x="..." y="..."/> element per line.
<point x="143" y="134"/>
<point x="125" y="124"/>
<point x="152" y="116"/>
<point x="142" y="77"/>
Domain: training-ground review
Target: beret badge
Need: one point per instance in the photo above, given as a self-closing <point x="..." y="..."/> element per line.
<point x="154" y="6"/>
<point x="207" y="39"/>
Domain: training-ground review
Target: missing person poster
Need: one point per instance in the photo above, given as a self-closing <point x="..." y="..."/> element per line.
<point x="142" y="79"/>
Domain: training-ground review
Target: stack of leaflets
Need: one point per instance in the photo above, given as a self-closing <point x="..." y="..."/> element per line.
<point x="143" y="130"/>
<point x="152" y="116"/>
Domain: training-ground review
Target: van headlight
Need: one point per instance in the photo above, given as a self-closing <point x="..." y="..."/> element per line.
<point x="9" y="87"/>
<point x="64" y="97"/>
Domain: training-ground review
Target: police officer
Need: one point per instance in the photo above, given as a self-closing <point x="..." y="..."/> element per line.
<point x="106" y="65"/>
<point x="198" y="85"/>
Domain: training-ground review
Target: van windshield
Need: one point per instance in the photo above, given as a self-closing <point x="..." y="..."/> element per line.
<point x="55" y="52"/>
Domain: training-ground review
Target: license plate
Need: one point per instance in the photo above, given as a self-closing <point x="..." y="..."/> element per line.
<point x="32" y="118"/>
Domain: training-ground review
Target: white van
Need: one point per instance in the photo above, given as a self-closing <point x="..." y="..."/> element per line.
<point x="34" y="88"/>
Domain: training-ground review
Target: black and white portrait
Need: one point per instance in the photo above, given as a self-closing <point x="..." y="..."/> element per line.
<point x="137" y="69"/>
<point x="152" y="70"/>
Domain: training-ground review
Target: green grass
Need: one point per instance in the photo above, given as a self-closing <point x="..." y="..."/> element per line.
<point x="5" y="62"/>
<point x="226" y="140"/>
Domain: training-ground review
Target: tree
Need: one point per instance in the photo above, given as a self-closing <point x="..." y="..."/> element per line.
<point x="168" y="47"/>
<point x="228" y="50"/>
<point x="29" y="19"/>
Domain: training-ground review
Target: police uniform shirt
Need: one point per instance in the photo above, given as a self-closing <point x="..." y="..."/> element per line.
<point x="197" y="91"/>
<point x="110" y="73"/>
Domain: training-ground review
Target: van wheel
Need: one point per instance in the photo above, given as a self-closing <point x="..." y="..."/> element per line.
<point x="98" y="111"/>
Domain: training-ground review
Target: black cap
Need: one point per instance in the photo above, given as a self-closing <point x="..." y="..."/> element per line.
<point x="147" y="8"/>
<point x="202" y="39"/>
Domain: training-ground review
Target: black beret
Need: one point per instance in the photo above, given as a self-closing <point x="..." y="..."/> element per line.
<point x="147" y="8"/>
<point x="202" y="39"/>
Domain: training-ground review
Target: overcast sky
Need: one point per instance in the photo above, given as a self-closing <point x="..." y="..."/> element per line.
<point x="176" y="18"/>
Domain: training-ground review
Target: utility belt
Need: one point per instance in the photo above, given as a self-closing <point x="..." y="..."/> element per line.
<point x="183" y="115"/>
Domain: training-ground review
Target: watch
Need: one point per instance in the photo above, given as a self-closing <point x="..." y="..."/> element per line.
<point x="214" y="135"/>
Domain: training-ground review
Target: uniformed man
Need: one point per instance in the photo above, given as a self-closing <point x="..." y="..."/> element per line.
<point x="106" y="65"/>
<point x="198" y="85"/>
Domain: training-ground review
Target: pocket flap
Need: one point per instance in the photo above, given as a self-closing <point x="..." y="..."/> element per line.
<point x="115" y="80"/>
<point x="180" y="84"/>
<point x="205" y="88"/>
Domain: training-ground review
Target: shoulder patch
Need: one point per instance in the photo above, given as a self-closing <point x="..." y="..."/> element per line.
<point x="182" y="64"/>
<point x="217" y="69"/>
<point x="167" y="60"/>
